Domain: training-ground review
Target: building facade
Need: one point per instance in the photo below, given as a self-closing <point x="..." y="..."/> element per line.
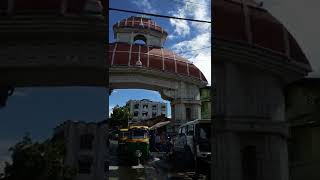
<point x="251" y="69"/>
<point x="303" y="115"/>
<point x="206" y="99"/>
<point x="146" y="109"/>
<point x="86" y="148"/>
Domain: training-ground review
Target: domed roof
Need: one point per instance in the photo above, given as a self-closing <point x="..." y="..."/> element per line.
<point x="139" y="22"/>
<point x="245" y="21"/>
<point x="124" y="54"/>
<point x="46" y="6"/>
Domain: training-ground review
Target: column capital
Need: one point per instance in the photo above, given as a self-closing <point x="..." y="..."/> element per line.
<point x="251" y="124"/>
<point x="185" y="101"/>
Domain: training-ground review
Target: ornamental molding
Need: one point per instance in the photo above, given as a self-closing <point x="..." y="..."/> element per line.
<point x="265" y="59"/>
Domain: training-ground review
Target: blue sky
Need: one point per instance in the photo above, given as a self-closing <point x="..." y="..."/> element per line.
<point x="38" y="110"/>
<point x="184" y="38"/>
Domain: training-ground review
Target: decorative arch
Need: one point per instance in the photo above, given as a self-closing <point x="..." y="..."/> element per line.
<point x="140" y="37"/>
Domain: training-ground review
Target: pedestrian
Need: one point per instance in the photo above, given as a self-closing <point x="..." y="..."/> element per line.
<point x="158" y="142"/>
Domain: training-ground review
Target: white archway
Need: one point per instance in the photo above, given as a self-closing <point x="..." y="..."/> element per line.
<point x="182" y="92"/>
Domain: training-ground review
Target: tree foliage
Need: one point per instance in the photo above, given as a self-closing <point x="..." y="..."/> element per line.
<point x="119" y="117"/>
<point x="37" y="161"/>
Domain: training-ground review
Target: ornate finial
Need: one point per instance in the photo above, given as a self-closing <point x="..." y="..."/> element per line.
<point x="141" y="23"/>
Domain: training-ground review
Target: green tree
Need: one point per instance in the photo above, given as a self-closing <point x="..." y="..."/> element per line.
<point x="119" y="117"/>
<point x="38" y="161"/>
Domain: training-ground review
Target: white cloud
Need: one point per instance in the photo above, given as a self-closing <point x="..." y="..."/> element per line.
<point x="195" y="10"/>
<point x="144" y="4"/>
<point x="198" y="51"/>
<point x="198" y="48"/>
<point x="181" y="27"/>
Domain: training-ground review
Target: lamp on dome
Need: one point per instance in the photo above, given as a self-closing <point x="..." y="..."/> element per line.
<point x="139" y="63"/>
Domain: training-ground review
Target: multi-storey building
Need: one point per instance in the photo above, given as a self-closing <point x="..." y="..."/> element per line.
<point x="146" y="109"/>
<point x="86" y="148"/>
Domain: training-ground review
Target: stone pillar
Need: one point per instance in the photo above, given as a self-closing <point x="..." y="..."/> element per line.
<point x="179" y="114"/>
<point x="250" y="130"/>
<point x="185" y="96"/>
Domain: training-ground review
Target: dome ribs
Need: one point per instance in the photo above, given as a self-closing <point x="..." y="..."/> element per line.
<point x="182" y="68"/>
<point x="261" y="23"/>
<point x="162" y="56"/>
<point x="175" y="64"/>
<point x="130" y="54"/>
<point x="229" y="24"/>
<point x="248" y="23"/>
<point x="152" y="57"/>
<point x="194" y="71"/>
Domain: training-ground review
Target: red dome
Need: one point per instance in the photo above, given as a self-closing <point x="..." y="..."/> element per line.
<point x="45" y="6"/>
<point x="122" y="54"/>
<point x="139" y="22"/>
<point x="254" y="26"/>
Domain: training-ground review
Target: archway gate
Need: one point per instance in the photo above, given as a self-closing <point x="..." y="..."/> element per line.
<point x="152" y="67"/>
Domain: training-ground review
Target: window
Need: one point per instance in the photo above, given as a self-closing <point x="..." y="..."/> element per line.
<point x="154" y="114"/>
<point x="136" y="106"/>
<point x="154" y="107"/>
<point x="136" y="113"/>
<point x="86" y="141"/>
<point x="145" y="106"/>
<point x="188" y="114"/>
<point x="84" y="165"/>
<point x="144" y="114"/>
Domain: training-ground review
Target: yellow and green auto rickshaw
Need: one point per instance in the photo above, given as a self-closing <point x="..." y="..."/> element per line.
<point x="138" y="143"/>
<point x="122" y="137"/>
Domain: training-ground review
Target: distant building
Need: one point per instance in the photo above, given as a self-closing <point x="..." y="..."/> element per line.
<point x="205" y="97"/>
<point x="86" y="148"/>
<point x="146" y="109"/>
<point x="303" y="115"/>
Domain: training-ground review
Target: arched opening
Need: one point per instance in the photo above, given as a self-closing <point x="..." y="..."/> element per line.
<point x="140" y="39"/>
<point x="142" y="105"/>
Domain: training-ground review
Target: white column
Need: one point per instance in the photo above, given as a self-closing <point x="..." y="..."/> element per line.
<point x="248" y="99"/>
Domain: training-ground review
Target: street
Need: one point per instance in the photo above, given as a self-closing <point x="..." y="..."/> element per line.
<point x="155" y="168"/>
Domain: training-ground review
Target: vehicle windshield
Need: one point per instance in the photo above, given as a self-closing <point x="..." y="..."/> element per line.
<point x="138" y="133"/>
<point x="203" y="136"/>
